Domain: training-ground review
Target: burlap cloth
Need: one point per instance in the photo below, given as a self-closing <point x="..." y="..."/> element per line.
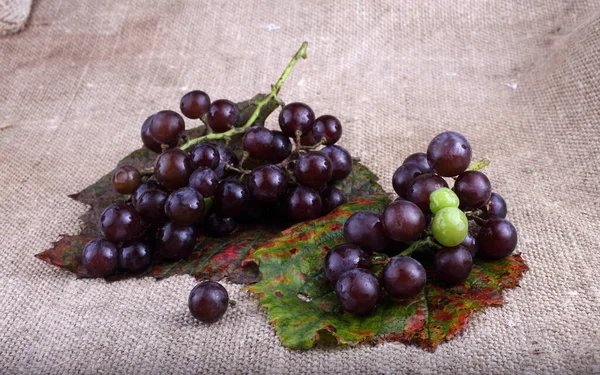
<point x="519" y="78"/>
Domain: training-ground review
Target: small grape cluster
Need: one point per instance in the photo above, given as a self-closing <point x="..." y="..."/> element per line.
<point x="427" y="215"/>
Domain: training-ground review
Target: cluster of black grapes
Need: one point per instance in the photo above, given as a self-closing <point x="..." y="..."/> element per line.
<point x="168" y="210"/>
<point x="424" y="205"/>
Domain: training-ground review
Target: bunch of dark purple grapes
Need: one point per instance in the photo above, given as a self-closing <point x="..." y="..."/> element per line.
<point x="199" y="187"/>
<point x="426" y="216"/>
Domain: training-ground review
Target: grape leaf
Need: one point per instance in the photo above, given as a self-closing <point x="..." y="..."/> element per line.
<point x="213" y="258"/>
<point x="302" y="305"/>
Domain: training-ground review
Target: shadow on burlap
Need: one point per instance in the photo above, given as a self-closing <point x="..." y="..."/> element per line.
<point x="519" y="78"/>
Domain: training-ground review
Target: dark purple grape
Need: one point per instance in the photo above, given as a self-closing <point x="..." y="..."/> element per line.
<point x="253" y="212"/>
<point x="231" y="198"/>
<point x="332" y="198"/>
<point x="222" y="115"/>
<point x="419" y="190"/>
<point x="100" y="258"/>
<point x="420" y="159"/>
<point x="357" y="291"/>
<point x="343" y="258"/>
<point x="309" y="139"/>
<point x="150" y="142"/>
<point x="150" y="184"/>
<point x="134" y="256"/>
<point x="404" y="176"/>
<point x="497" y="239"/>
<point x="470" y="243"/>
<point x="449" y="154"/>
<point x="281" y="147"/>
<point x="267" y="183"/>
<point x="167" y="126"/>
<point x="403" y="277"/>
<point x="341" y="161"/>
<point x="204" y="155"/>
<point x="303" y="204"/>
<point x="204" y="180"/>
<point x="226" y="157"/>
<point x="126" y="179"/>
<point x="453" y="264"/>
<point x="313" y="169"/>
<point x="174" y="241"/>
<point x="403" y="221"/>
<point x="194" y="104"/>
<point x="185" y="206"/>
<point x="208" y="301"/>
<point x="120" y="222"/>
<point x="495" y="208"/>
<point x="473" y="188"/>
<point x="172" y="169"/>
<point x="296" y="116"/>
<point x="151" y="206"/>
<point x="258" y="142"/>
<point x="365" y="230"/>
<point x="327" y="127"/>
<point x="219" y="226"/>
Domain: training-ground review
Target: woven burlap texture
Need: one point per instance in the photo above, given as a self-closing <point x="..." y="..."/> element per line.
<point x="13" y="15"/>
<point x="520" y="79"/>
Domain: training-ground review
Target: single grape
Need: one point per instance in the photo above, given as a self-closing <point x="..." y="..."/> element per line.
<point x="267" y="183"/>
<point x="134" y="256"/>
<point x="473" y="188"/>
<point x="226" y="157"/>
<point x="365" y="230"/>
<point x="497" y="239"/>
<point x="149" y="142"/>
<point x="332" y="198"/>
<point x="453" y="264"/>
<point x="357" y="291"/>
<point x="343" y="258"/>
<point x="258" y="142"/>
<point x="208" y="301"/>
<point x="449" y="154"/>
<point x="120" y="222"/>
<point x="185" y="206"/>
<point x="231" y="198"/>
<point x="420" y="159"/>
<point x="328" y="127"/>
<point x="296" y="116"/>
<point x="495" y="208"/>
<point x="151" y="206"/>
<point x="205" y="181"/>
<point x="204" y="155"/>
<point x="174" y="241"/>
<point x="450" y="226"/>
<point x="194" y="104"/>
<point x="219" y="226"/>
<point x="470" y="243"/>
<point x="126" y="179"/>
<point x="403" y="221"/>
<point x="341" y="161"/>
<point x="404" y="176"/>
<point x="281" y="147"/>
<point x="100" y="258"/>
<point x="172" y="169"/>
<point x="150" y="184"/>
<point x="313" y="169"/>
<point x="167" y="126"/>
<point x="304" y="204"/>
<point x="403" y="277"/>
<point x="222" y="115"/>
<point x="442" y="198"/>
<point x="421" y="188"/>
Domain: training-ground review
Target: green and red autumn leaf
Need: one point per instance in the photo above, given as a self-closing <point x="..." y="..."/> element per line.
<point x="302" y="305"/>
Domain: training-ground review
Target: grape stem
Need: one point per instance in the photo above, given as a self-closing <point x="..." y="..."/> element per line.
<point x="301" y="54"/>
<point x="424" y="244"/>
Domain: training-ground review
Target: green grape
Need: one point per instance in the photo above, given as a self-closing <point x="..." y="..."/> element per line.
<point x="442" y="198"/>
<point x="450" y="226"/>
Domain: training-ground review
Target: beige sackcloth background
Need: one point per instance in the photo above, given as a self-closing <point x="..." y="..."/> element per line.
<point x="520" y="79"/>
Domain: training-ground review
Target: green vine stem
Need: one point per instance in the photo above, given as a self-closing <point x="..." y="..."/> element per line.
<point x="424" y="244"/>
<point x="301" y="54"/>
